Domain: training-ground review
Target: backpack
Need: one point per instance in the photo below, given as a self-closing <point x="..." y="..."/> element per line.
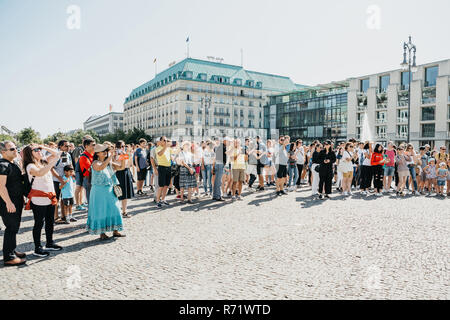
<point x="78" y="168"/>
<point x="27" y="185"/>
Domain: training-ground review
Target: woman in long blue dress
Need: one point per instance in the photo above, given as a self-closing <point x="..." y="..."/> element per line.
<point x="104" y="208"/>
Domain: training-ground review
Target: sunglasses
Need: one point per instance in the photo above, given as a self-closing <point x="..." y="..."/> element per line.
<point x="37" y="149"/>
<point x="11" y="149"/>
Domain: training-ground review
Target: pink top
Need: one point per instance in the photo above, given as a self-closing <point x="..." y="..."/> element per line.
<point x="391" y="156"/>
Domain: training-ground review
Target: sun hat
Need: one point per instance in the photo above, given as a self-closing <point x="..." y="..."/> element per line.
<point x="100" y="147"/>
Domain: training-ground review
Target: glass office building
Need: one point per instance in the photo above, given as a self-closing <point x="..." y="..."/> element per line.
<point x="317" y="113"/>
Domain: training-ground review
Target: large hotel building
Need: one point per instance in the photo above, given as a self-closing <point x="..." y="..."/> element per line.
<point x="337" y="110"/>
<point x="196" y="98"/>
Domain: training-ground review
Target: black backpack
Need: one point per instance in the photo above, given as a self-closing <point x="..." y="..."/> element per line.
<point x="27" y="185"/>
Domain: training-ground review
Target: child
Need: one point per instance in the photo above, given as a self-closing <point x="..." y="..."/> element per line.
<point x="441" y="173"/>
<point x="67" y="194"/>
<point x="430" y="174"/>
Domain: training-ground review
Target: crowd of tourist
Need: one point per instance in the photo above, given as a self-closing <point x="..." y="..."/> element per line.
<point x="101" y="178"/>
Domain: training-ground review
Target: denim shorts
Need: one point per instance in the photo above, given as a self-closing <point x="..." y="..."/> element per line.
<point x="389" y="171"/>
<point x="441" y="183"/>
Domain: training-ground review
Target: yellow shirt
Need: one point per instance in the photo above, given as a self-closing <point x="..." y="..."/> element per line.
<point x="239" y="163"/>
<point x="164" y="160"/>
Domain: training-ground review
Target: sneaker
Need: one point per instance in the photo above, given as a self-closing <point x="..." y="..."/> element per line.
<point x="159" y="205"/>
<point x="320" y="197"/>
<point x="53" y="247"/>
<point x="72" y="219"/>
<point x="379" y="194"/>
<point x="327" y="196"/>
<point x="416" y="193"/>
<point x="364" y="193"/>
<point x="233" y="198"/>
<point x="40" y="253"/>
<point x="239" y="198"/>
<point x="80" y="208"/>
<point x="345" y="193"/>
<point x="283" y="192"/>
<point x="278" y="193"/>
<point x="165" y="203"/>
<point x="178" y="197"/>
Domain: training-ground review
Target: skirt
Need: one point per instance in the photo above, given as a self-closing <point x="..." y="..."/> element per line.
<point x="186" y="179"/>
<point x="104" y="211"/>
<point x="126" y="183"/>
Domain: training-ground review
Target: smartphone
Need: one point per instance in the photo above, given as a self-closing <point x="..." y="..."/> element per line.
<point x="174" y="143"/>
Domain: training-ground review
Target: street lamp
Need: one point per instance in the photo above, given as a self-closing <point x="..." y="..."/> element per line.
<point x="206" y="101"/>
<point x="410" y="48"/>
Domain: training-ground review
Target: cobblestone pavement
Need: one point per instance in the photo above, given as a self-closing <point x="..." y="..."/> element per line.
<point x="262" y="247"/>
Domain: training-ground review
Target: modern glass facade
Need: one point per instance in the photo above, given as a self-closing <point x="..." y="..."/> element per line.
<point x="308" y="115"/>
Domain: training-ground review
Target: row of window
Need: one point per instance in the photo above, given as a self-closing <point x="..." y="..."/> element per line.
<point x="431" y="74"/>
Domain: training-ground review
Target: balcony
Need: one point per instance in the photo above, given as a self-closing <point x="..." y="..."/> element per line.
<point x="362" y="108"/>
<point x="381" y="106"/>
<point x="380" y="136"/>
<point x="251" y="116"/>
<point x="402" y="120"/>
<point x="222" y="114"/>
<point x="402" y="103"/>
<point x="189" y="111"/>
<point x="401" y="135"/>
<point x="380" y="121"/>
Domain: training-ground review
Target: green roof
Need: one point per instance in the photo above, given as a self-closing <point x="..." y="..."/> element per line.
<point x="195" y="69"/>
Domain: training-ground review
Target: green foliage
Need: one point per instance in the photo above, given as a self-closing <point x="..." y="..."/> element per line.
<point x="77" y="137"/>
<point x="4" y="137"/>
<point x="27" y="136"/>
<point x="134" y="135"/>
<point x="56" y="137"/>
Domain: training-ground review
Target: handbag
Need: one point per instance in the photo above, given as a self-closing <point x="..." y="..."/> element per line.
<point x="317" y="168"/>
<point x="117" y="191"/>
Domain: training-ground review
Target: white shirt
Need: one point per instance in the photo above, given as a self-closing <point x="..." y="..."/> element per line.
<point x="186" y="157"/>
<point x="300" y="155"/>
<point x="208" y="157"/>
<point x="366" y="161"/>
<point x="346" y="166"/>
<point x="44" y="183"/>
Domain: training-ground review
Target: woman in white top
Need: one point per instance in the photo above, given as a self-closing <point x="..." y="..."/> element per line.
<point x="42" y="196"/>
<point x="270" y="168"/>
<point x="208" y="156"/>
<point x="346" y="167"/>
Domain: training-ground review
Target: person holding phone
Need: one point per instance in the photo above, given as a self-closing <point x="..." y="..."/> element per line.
<point x="124" y="176"/>
<point x="42" y="197"/>
<point x="104" y="210"/>
<point x="66" y="159"/>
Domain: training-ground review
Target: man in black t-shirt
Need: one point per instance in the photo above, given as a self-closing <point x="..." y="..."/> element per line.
<point x="11" y="203"/>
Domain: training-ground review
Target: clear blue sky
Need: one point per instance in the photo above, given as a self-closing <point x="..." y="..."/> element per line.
<point x="54" y="78"/>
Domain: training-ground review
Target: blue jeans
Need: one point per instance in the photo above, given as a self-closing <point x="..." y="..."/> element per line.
<point x="218" y="170"/>
<point x="207" y="175"/>
<point x="293" y="174"/>
<point x="412" y="172"/>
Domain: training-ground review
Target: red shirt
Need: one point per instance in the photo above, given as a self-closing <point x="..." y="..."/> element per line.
<point x="85" y="163"/>
<point x="376" y="159"/>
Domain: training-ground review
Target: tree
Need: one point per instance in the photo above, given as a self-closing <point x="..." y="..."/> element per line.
<point x="77" y="136"/>
<point x="56" y="137"/>
<point x="27" y="136"/>
<point x="134" y="135"/>
<point x="5" y="137"/>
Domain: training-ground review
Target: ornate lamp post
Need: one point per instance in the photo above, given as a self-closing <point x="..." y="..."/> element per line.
<point x="410" y="65"/>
